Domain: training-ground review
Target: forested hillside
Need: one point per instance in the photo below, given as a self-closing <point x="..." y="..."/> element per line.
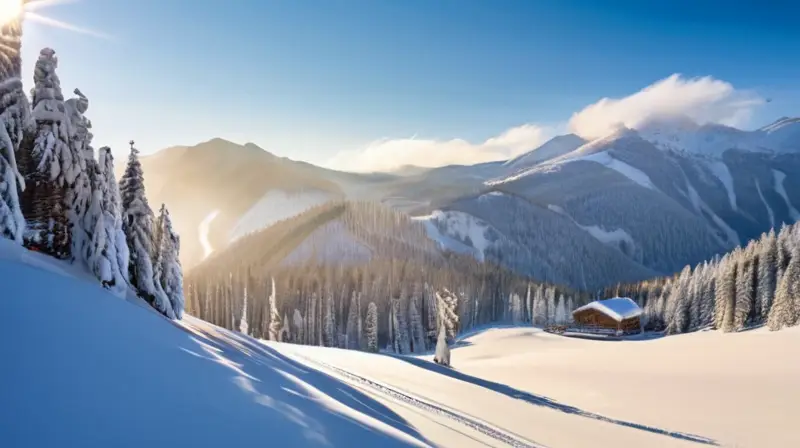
<point x="389" y="295"/>
<point x="754" y="285"/>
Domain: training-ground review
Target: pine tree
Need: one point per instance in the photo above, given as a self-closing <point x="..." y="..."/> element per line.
<point x="403" y="339"/>
<point x="448" y="317"/>
<point x="786" y="306"/>
<point x="442" y="355"/>
<point x="415" y="323"/>
<point x="676" y="312"/>
<point x="274" y="315"/>
<point x="371" y="327"/>
<point x="54" y="171"/>
<point x="107" y="253"/>
<point x="529" y="304"/>
<point x="168" y="270"/>
<point x="561" y="312"/>
<point x="78" y="194"/>
<point x="329" y="320"/>
<point x="744" y="289"/>
<point x="14" y="118"/>
<point x="299" y="334"/>
<point x="244" y="328"/>
<point x="539" y="308"/>
<point x="286" y="330"/>
<point x="767" y="274"/>
<point x="351" y="332"/>
<point x="137" y="223"/>
<point x="570" y="309"/>
<point x="550" y="299"/>
<point x="726" y="293"/>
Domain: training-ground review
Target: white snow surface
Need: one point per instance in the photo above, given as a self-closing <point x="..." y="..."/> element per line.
<point x="610" y="237"/>
<point x="203" y="229"/>
<point x="82" y="368"/>
<point x="605" y="159"/>
<point x="458" y="226"/>
<point x="277" y="205"/>
<point x="769" y="209"/>
<point x="75" y="354"/>
<point x="719" y="169"/>
<point x="779" y="177"/>
<point x="556" y="146"/>
<point x="618" y="308"/>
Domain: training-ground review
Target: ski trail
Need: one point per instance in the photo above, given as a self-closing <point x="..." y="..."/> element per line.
<point x="479" y="425"/>
<point x="203" y="231"/>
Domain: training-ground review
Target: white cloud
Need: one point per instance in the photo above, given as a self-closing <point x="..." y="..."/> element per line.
<point x="705" y="100"/>
<point x="390" y="154"/>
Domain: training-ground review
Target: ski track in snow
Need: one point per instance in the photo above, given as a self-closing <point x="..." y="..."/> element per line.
<point x="724" y="175"/>
<point x="769" y="209"/>
<point x="780" y="176"/>
<point x="481" y="426"/>
<point x="634" y="174"/>
<point x="203" y="229"/>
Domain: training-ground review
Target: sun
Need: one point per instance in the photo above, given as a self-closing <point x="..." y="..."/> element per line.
<point x="10" y="10"/>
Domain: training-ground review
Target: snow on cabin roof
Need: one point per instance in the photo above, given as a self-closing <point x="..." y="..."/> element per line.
<point x="618" y="308"/>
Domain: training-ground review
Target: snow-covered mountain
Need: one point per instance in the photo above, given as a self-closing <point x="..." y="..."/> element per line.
<point x="630" y="205"/>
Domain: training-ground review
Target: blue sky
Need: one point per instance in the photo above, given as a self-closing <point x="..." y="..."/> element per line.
<point x="320" y="80"/>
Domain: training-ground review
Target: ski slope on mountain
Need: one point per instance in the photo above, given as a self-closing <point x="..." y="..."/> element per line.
<point x="701" y="389"/>
<point x="75" y="354"/>
<point x="83" y="368"/>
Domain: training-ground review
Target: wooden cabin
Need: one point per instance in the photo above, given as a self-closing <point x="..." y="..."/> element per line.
<point x="614" y="317"/>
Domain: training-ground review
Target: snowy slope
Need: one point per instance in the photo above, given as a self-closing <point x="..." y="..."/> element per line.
<point x="555" y="147"/>
<point x="458" y="231"/>
<point x="699" y="389"/>
<point x="82" y="368"/>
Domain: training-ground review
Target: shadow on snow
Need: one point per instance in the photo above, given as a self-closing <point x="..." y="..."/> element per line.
<point x="539" y="400"/>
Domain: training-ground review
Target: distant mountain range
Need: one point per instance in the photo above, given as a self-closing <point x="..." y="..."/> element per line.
<point x="628" y="206"/>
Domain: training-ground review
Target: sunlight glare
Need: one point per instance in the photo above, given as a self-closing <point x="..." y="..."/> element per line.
<point x="10" y="10"/>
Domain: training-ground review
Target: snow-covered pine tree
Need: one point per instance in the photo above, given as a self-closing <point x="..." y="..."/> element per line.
<point x="299" y="333"/>
<point x="517" y="308"/>
<point x="570" y="309"/>
<point x="371" y="327"/>
<point x="744" y="288"/>
<point x="785" y="310"/>
<point x="79" y="194"/>
<point x="767" y="274"/>
<point x="55" y="171"/>
<point x="442" y="355"/>
<point x="539" y="308"/>
<point x="244" y="328"/>
<point x="676" y="312"/>
<point x="707" y="294"/>
<point x="351" y="331"/>
<point x="107" y="252"/>
<point x="286" y="330"/>
<point x="550" y="299"/>
<point x="329" y="337"/>
<point x="401" y="317"/>
<point x="274" y="316"/>
<point x="727" y="292"/>
<point x="528" y="304"/>
<point x="431" y="314"/>
<point x="14" y="118"/>
<point x="137" y="223"/>
<point x="561" y="312"/>
<point x="168" y="270"/>
<point x="415" y="325"/>
<point x="448" y="302"/>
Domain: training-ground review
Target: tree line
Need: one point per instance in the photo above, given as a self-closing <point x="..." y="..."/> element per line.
<point x="395" y="298"/>
<point x="751" y="286"/>
<point x="57" y="198"/>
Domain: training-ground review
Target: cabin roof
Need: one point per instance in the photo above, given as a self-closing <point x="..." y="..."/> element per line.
<point x="618" y="308"/>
